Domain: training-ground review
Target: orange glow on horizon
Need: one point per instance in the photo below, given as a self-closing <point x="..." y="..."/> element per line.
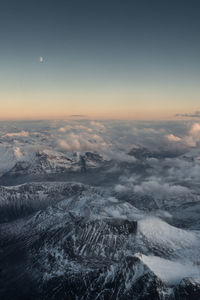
<point x="35" y="107"/>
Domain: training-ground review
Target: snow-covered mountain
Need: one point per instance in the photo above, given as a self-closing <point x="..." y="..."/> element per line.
<point x="46" y="161"/>
<point x="84" y="217"/>
<point x="84" y="244"/>
<point x="23" y="200"/>
<point x="51" y="163"/>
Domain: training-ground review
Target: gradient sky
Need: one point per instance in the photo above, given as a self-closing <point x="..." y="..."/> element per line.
<point x="102" y="59"/>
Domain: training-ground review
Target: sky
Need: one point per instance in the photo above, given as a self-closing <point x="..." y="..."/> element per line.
<point x="130" y="59"/>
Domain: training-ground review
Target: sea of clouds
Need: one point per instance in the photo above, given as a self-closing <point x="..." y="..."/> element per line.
<point x="165" y="175"/>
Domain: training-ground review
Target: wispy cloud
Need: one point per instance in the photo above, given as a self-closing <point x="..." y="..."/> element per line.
<point x="77" y="116"/>
<point x="196" y="114"/>
<point x="17" y="134"/>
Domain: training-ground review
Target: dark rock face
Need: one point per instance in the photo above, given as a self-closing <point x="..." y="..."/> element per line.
<point x="141" y="153"/>
<point x="120" y="282"/>
<point x="188" y="289"/>
<point x="122" y="226"/>
<point x="93" y="156"/>
<point x="21" y="201"/>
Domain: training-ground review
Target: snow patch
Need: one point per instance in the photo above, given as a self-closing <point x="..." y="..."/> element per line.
<point x="169" y="271"/>
<point x="158" y="232"/>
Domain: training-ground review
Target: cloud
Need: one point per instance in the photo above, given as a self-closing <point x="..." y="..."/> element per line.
<point x="17" y="152"/>
<point x="77" y="116"/>
<point x="193" y="138"/>
<point x="173" y="138"/>
<point x="83" y="141"/>
<point x="196" y="114"/>
<point x="152" y="188"/>
<point x="195" y="130"/>
<point x="17" y="134"/>
<point x="190" y="139"/>
<point x="97" y="125"/>
<point x="75" y="128"/>
<point x="113" y="140"/>
<point x="119" y="188"/>
<point x="121" y="157"/>
<point x="159" y="189"/>
<point x="62" y="129"/>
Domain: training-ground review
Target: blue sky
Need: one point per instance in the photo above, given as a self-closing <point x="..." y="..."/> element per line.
<point x="105" y="59"/>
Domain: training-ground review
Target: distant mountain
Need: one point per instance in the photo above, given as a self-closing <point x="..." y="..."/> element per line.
<point x="50" y="163"/>
<point x="47" y="161"/>
<point x="142" y="153"/>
